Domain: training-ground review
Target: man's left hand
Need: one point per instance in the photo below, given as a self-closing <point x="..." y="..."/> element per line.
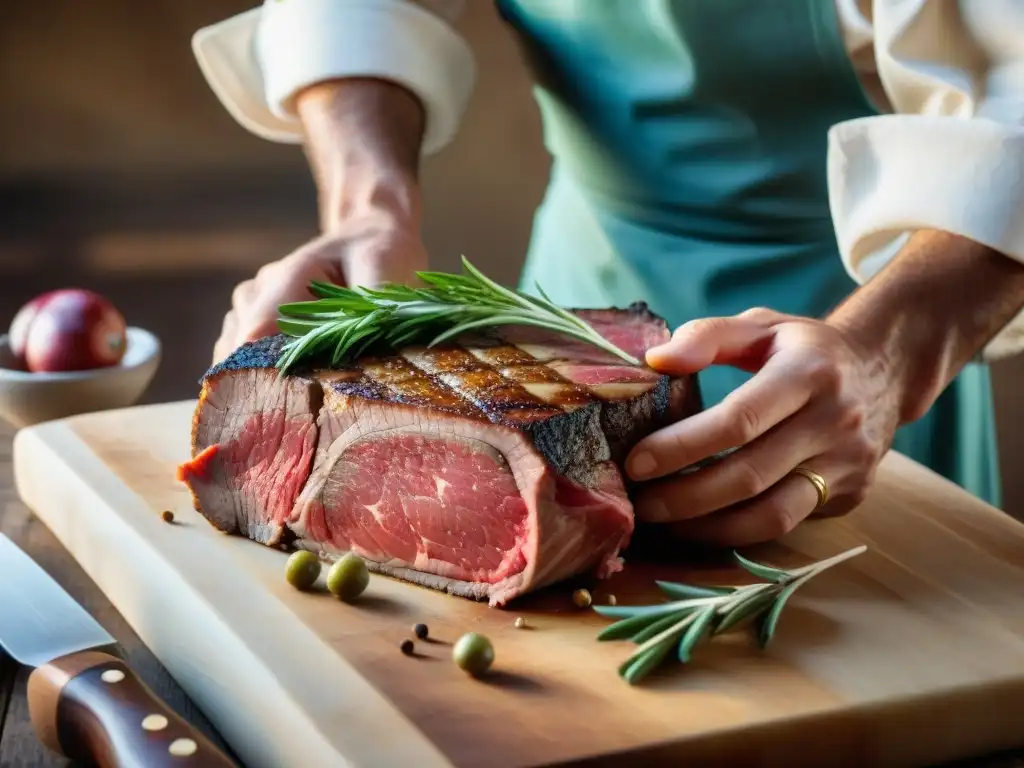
<point x="818" y="400"/>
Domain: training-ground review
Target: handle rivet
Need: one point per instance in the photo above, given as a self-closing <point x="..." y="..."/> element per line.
<point x="112" y="676"/>
<point x="182" y="747"/>
<point x="154" y="722"/>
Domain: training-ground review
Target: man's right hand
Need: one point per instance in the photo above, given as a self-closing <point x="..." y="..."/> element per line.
<point x="363" y="141"/>
<point x="360" y="253"/>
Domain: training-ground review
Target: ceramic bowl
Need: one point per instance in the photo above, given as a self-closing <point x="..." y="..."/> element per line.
<point x="30" y="398"/>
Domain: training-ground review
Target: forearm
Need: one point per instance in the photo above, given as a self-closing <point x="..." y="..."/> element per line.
<point x="363" y="140"/>
<point x="931" y="310"/>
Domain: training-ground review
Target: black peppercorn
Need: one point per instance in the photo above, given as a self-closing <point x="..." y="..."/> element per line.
<point x="421" y="631"/>
<point x="407" y="646"/>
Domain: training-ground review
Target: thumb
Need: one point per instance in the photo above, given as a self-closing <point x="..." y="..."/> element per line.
<point x="738" y="341"/>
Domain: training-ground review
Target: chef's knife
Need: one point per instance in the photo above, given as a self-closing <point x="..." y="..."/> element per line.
<point x="85" y="703"/>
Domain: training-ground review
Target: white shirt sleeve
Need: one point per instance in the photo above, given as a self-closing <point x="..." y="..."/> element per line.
<point x="258" y="61"/>
<point x="951" y="157"/>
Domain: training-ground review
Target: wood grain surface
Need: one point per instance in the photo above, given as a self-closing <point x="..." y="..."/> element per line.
<point x="19" y="745"/>
<point x="912" y="653"/>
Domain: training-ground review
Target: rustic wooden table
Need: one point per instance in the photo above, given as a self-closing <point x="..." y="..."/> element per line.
<point x="19" y="747"/>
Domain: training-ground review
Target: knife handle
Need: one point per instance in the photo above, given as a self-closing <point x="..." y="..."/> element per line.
<point x="91" y="707"/>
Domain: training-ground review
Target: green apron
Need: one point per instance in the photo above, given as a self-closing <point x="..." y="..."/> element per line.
<point x="689" y="144"/>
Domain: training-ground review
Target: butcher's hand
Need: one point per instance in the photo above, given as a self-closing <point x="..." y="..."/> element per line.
<point x="818" y="400"/>
<point x="363" y="143"/>
<point x="360" y="253"/>
<point x="827" y="396"/>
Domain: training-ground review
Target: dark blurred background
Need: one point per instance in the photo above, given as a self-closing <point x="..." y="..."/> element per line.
<point x="120" y="172"/>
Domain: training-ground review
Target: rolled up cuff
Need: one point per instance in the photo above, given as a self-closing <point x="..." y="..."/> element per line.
<point x="892" y="175"/>
<point x="258" y="61"/>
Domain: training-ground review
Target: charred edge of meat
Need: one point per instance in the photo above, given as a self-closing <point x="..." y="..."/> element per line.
<point x="624" y="422"/>
<point x="693" y="400"/>
<point x="262" y="353"/>
<point x="572" y="443"/>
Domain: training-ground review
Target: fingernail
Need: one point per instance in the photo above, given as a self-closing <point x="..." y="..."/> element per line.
<point x="642" y="465"/>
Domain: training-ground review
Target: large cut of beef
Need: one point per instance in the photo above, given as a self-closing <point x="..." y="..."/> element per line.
<point x="487" y="467"/>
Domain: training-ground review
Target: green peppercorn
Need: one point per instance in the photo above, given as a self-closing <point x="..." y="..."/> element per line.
<point x="473" y="653"/>
<point x="348" y="577"/>
<point x="302" y="569"/>
<point x="421" y="631"/>
<point x="582" y="598"/>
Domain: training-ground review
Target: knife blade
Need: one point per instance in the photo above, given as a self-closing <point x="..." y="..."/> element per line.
<point x="84" y="702"/>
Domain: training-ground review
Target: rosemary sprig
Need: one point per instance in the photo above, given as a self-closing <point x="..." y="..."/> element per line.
<point x="696" y="613"/>
<point x="345" y="321"/>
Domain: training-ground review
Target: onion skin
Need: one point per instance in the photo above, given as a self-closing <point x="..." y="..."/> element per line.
<point x="68" y="330"/>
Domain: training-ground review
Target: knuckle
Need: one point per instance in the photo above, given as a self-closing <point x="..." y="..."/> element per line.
<point x="311" y="253"/>
<point x="744" y="422"/>
<point x="777" y="520"/>
<point x="296" y="259"/>
<point x="852" y="417"/>
<point x="240" y="294"/>
<point x="863" y="451"/>
<point x="704" y="326"/>
<point x="823" y="372"/>
<point x="266" y="271"/>
<point x="749" y="481"/>
<point x="759" y="315"/>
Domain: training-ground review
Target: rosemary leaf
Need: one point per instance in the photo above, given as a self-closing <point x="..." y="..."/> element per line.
<point x="626" y="611"/>
<point x="682" y="591"/>
<point x="634" y="669"/>
<point x="627" y="628"/>
<point x="765" y="572"/>
<point x="698" y="630"/>
<point x="660" y="625"/>
<point x="670" y="634"/>
<point x="755" y="603"/>
<point x="766" y="630"/>
<point x="296" y="327"/>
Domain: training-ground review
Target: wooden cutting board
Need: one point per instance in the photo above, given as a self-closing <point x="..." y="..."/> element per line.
<point x="910" y="653"/>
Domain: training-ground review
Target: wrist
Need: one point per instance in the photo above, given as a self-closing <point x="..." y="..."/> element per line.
<point x="930" y="311"/>
<point x="904" y="349"/>
<point x="363" y="142"/>
<point x="372" y="195"/>
<point x="902" y="320"/>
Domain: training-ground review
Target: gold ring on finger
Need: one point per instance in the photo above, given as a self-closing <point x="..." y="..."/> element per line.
<point x="819" y="483"/>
